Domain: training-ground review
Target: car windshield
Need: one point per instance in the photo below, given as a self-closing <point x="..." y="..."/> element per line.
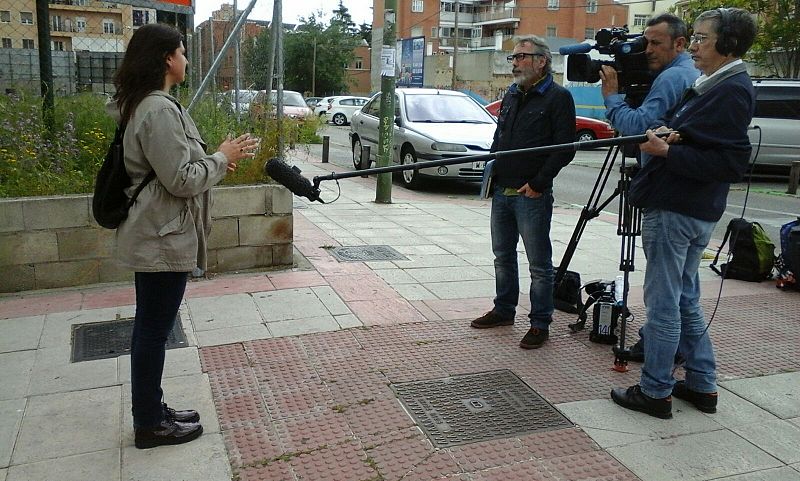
<point x="437" y="108"/>
<point x="290" y="99"/>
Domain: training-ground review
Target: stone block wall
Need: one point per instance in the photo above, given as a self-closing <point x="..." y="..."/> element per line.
<point x="48" y="242"/>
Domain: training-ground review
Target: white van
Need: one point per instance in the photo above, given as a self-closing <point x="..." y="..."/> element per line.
<point x="778" y="116"/>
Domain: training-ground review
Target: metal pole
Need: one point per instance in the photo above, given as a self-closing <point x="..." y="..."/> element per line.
<point x="279" y="75"/>
<point x="314" y="69"/>
<point x="383" y="189"/>
<point x="45" y="63"/>
<point x="236" y="83"/>
<point x="273" y="39"/>
<point x="213" y="75"/>
<point x="455" y="49"/>
<point x="326" y="145"/>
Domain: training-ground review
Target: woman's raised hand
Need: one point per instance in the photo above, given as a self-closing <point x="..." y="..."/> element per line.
<point x="239" y="148"/>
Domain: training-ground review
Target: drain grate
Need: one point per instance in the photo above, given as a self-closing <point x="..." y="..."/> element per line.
<point x="101" y="340"/>
<point x="367" y="253"/>
<point x="477" y="407"/>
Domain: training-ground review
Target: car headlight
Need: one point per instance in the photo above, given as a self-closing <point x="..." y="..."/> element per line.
<point x="442" y="146"/>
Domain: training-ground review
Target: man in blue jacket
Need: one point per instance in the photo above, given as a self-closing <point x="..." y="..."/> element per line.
<point x="682" y="190"/>
<point x="667" y="39"/>
<point x="534" y="112"/>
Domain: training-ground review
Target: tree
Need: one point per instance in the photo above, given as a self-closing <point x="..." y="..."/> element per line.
<point x="777" y="45"/>
<point x="256" y="59"/>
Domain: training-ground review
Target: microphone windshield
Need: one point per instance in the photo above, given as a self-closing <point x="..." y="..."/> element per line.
<point x="573" y="49"/>
<point x="290" y="178"/>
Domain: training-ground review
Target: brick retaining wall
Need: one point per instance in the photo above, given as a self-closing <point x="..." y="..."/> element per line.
<point x="48" y="242"/>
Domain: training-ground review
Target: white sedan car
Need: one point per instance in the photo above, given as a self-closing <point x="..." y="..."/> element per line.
<point x="430" y="124"/>
<point x="341" y="109"/>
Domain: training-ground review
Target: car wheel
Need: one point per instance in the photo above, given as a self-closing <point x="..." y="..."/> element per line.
<point x="410" y="177"/>
<point x="339" y="119"/>
<point x="585" y="135"/>
<point x="357" y="151"/>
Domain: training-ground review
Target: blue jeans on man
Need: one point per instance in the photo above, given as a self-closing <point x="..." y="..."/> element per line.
<point x="512" y="217"/>
<point x="673" y="245"/>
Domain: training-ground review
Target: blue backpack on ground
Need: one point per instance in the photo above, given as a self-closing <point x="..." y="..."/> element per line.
<point x="787" y="264"/>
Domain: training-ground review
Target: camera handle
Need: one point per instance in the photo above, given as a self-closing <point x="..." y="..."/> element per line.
<point x="628" y="228"/>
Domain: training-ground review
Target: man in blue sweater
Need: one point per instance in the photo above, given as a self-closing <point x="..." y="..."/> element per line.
<point x="535" y="112"/>
<point x="667" y="39"/>
<point x="682" y="190"/>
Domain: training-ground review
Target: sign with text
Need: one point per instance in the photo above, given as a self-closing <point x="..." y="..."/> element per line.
<point x="411" y="62"/>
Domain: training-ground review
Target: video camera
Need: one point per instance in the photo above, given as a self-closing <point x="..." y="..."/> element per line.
<point x="630" y="61"/>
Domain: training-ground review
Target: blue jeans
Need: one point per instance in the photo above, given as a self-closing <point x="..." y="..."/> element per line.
<point x="158" y="297"/>
<point x="673" y="245"/>
<point x="512" y="217"/>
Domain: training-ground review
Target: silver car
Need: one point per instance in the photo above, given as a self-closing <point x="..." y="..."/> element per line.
<point x="778" y="116"/>
<point x="430" y="124"/>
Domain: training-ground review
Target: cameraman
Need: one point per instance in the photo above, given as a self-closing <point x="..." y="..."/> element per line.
<point x="666" y="37"/>
<point x="682" y="190"/>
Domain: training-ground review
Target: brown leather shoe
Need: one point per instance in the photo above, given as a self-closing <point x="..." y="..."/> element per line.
<point x="167" y="433"/>
<point x="492" y="319"/>
<point x="184" y="416"/>
<point x="534" y="338"/>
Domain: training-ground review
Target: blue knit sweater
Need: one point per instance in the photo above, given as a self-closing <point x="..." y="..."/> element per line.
<point x="695" y="177"/>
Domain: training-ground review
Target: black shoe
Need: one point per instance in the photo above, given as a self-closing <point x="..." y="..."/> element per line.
<point x="634" y="398"/>
<point x="166" y="433"/>
<point x="636" y="352"/>
<point x="492" y="319"/>
<point x="534" y="338"/>
<point x="186" y="416"/>
<point x="706" y="402"/>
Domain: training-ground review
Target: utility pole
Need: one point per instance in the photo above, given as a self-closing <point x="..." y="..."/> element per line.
<point x="455" y="48"/>
<point x="314" y="68"/>
<point x="383" y="191"/>
<point x="236" y="83"/>
<point x="279" y="75"/>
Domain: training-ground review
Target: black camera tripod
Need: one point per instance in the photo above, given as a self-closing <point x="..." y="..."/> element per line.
<point x="629" y="226"/>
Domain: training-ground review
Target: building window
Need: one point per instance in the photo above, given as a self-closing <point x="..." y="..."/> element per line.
<point x="552" y="4"/>
<point x="447" y="7"/>
<point x="80" y="24"/>
<point x="6" y="42"/>
<point x="58" y="45"/>
<point x="640" y="20"/>
<point x="588" y="33"/>
<point x="591" y="6"/>
<point x="5" y="16"/>
<point x="26" y="18"/>
<point x="416" y="6"/>
<point x="108" y="26"/>
<point x="434" y="32"/>
<point x="80" y="3"/>
<point x="551" y="31"/>
<point x="28" y="43"/>
<point x="359" y="63"/>
<point x="57" y="24"/>
<point x="141" y="17"/>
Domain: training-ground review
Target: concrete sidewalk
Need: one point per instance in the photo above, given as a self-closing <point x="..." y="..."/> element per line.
<point x="295" y="372"/>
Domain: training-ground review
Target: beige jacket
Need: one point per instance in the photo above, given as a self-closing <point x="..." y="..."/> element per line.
<point x="167" y="227"/>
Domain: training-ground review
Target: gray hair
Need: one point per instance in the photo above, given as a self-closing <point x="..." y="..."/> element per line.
<point x="541" y="47"/>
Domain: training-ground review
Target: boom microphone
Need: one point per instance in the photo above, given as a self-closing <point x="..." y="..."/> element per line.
<point x="573" y="49"/>
<point x="290" y="178"/>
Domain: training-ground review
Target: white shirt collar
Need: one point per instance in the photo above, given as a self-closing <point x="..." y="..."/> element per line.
<point x="725" y="67"/>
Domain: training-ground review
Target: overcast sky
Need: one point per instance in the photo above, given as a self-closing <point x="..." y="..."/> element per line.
<point x="360" y="10"/>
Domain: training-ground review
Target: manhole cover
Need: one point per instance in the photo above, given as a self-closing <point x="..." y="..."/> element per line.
<point x="477" y="407"/>
<point x="101" y="340"/>
<point x="367" y="253"/>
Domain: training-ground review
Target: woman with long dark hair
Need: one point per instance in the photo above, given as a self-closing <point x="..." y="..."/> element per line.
<point x="165" y="235"/>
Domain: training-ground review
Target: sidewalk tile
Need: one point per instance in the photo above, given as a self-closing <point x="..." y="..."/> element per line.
<point x="59" y="425"/>
<point x="288" y="349"/>
<point x="111" y="297"/>
<point x="339" y="461"/>
<point x="208" y="451"/>
<point x="252" y="445"/>
<point x="331" y="301"/>
<point x="21" y="333"/>
<point x="57" y="330"/>
<point x="235" y="310"/>
<point x="40" y="303"/>
<point x="777" y="394"/>
<point x="361" y="288"/>
<point x="589" y="466"/>
<point x="385" y="311"/>
<point x="689" y="457"/>
<point x="348" y="321"/>
<point x="223" y="357"/>
<point x="53" y="372"/>
<point x="232" y="335"/>
<point x="779" y="438"/>
<point x="15" y="376"/>
<point x="11" y="412"/>
<point x="286" y="304"/>
<point x="313" y="431"/>
<point x="184" y="361"/>
<point x="275" y="471"/>
<point x="289" y="280"/>
<point x="297" y="327"/>
<point x="98" y="465"/>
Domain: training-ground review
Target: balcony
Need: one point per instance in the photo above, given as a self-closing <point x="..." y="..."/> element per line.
<point x="493" y="15"/>
<point x="448" y="42"/>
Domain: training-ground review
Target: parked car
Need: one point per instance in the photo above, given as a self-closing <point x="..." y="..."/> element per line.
<point x="341" y="109"/>
<point x="312" y="102"/>
<point x="430" y="124"/>
<point x="322" y="106"/>
<point x="585" y="128"/>
<point x="294" y="106"/>
<point x="227" y="100"/>
<point x="776" y="144"/>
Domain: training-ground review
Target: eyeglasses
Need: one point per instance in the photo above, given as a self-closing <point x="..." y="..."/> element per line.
<point x="519" y="57"/>
<point x="698" y="38"/>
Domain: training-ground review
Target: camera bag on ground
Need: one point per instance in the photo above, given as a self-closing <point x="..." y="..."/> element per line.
<point x="567" y="294"/>
<point x="110" y="205"/>
<point x="787" y="264"/>
<point x="753" y="254"/>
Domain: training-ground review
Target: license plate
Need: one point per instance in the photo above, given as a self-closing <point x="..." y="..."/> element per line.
<point x="479" y="165"/>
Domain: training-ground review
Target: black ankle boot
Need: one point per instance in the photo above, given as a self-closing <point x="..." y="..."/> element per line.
<point x="184" y="416"/>
<point x="166" y="433"/>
